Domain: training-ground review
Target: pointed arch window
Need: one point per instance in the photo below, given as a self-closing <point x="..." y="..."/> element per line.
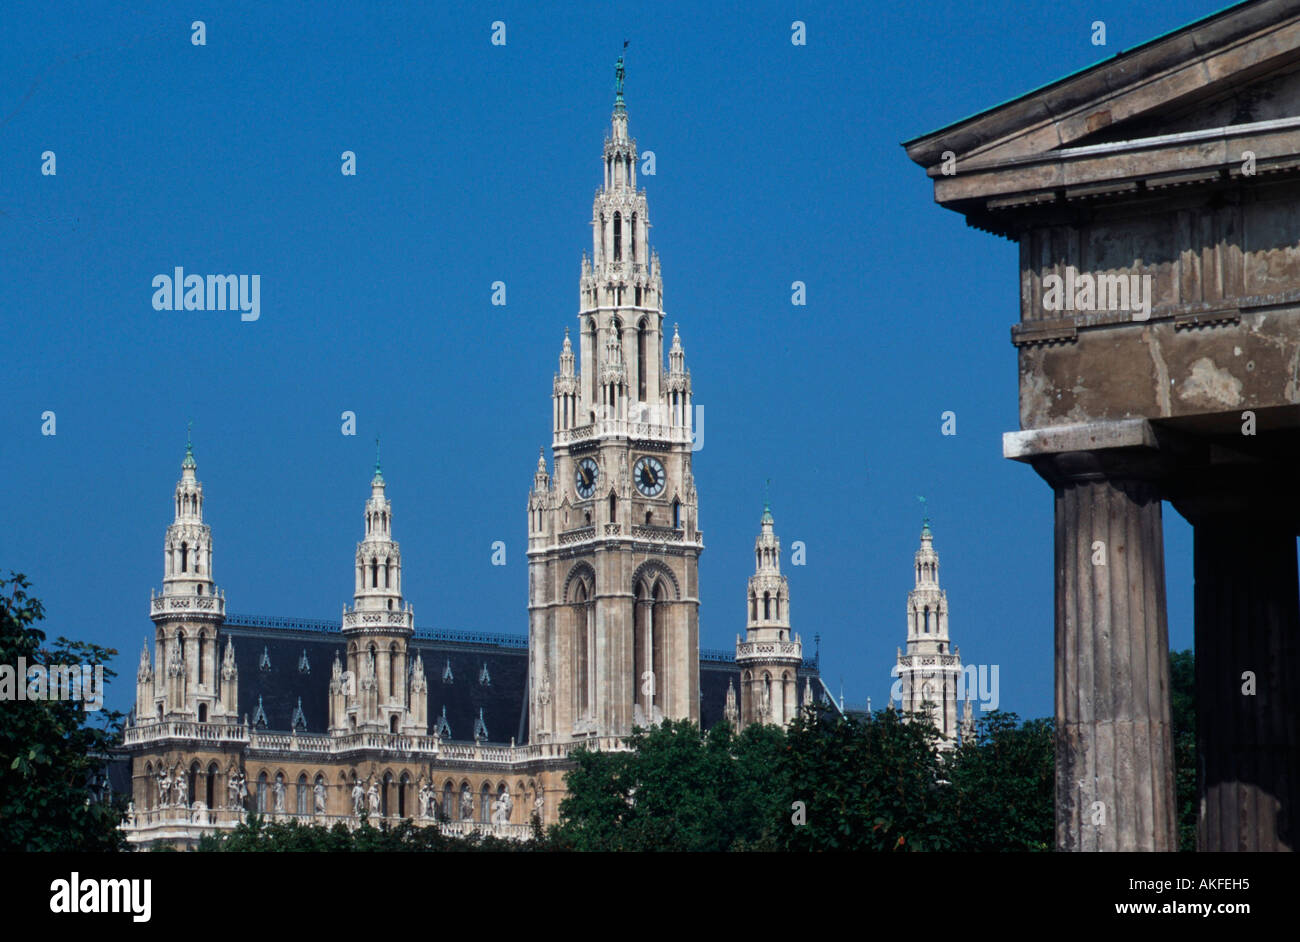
<point x="618" y="237"/>
<point x="185" y="557"/>
<point x="374" y="573"/>
<point x="301" y="797"/>
<point x="767" y="605"/>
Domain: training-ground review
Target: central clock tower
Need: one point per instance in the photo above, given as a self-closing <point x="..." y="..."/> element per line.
<point x="613" y="537"/>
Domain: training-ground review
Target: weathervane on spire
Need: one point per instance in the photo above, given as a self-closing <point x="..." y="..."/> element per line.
<point x="925" y="511"/>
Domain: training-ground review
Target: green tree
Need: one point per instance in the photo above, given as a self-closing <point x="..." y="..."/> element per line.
<point x="873" y="785"/>
<point x="1003" y="785"/>
<point x="675" y="789"/>
<point x="48" y="749"/>
<point x="1182" y="713"/>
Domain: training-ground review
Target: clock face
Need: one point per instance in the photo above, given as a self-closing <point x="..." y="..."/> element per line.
<point x="649" y="475"/>
<point x="584" y="478"/>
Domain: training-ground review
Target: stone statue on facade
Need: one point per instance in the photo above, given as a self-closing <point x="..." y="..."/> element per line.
<point x="320" y="797"/>
<point x="181" y="787"/>
<point x="164" y="788"/>
<point x="539" y="803"/>
<point x="278" y="790"/>
<point x="466" y="805"/>
<point x="358" y="797"/>
<point x="502" y="807"/>
<point x="372" y="798"/>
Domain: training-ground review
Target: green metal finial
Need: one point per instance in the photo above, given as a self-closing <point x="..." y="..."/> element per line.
<point x="619" y="74"/>
<point x="378" y="472"/>
<point x="925" y="520"/>
<point x="767" y="501"/>
<point x="189" y="461"/>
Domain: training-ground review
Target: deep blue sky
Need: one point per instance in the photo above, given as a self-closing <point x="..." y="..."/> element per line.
<point x="478" y="163"/>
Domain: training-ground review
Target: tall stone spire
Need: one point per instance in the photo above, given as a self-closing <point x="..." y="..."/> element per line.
<point x="613" y="537"/>
<point x="374" y="695"/>
<point x="769" y="658"/>
<point x="930" y="668"/>
<point x="188" y="613"/>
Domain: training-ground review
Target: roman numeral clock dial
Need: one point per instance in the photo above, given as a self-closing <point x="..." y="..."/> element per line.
<point x="584" y="478"/>
<point x="650" y="477"/>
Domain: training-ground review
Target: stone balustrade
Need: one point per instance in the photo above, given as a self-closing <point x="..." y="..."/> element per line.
<point x="580" y="535"/>
<point x="204" y="606"/>
<point x="171" y="729"/>
<point x="773" y="648"/>
<point x="652" y="431"/>
<point x="176" y="823"/>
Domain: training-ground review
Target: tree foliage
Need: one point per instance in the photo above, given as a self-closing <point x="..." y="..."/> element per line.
<point x="827" y="783"/>
<point x="1003" y="784"/>
<point x="49" y="751"/>
<point x="864" y="785"/>
<point x="1182" y="713"/>
<point x="676" y="789"/>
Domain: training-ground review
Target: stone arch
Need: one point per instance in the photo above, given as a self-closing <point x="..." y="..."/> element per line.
<point x="653" y="569"/>
<point x="583" y="571"/>
<point x="448" y="800"/>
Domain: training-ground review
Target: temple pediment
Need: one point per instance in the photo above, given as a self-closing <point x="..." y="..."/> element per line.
<point x="1183" y="108"/>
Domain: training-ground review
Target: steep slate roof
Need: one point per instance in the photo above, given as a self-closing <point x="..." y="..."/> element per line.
<point x="503" y="701"/>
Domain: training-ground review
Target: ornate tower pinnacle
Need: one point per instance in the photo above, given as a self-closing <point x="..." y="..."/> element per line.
<point x="930" y="668"/>
<point x="188" y="613"/>
<point x="375" y="693"/>
<point x="769" y="658"/>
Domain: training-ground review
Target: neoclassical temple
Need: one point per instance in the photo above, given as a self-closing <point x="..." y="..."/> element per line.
<point x="371" y="717"/>
<point x="1155" y="200"/>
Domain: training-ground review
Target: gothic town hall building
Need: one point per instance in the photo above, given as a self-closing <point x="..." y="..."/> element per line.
<point x="371" y="717"/>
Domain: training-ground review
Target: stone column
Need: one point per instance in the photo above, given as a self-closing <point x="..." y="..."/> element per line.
<point x="1114" y="750"/>
<point x="1247" y="619"/>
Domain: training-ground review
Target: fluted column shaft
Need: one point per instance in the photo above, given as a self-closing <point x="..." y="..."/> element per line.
<point x="1114" y="750"/>
<point x="1247" y="619"/>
